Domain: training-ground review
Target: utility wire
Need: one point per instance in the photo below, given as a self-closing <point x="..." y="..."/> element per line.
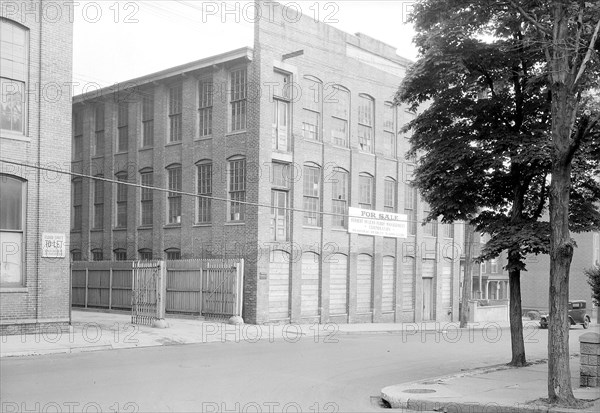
<point x="155" y="188"/>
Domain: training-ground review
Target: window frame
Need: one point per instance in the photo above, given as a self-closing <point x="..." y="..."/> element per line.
<point x="146" y="197"/>
<point x="205" y="108"/>
<point x="339" y="204"/>
<point x="236" y="189"/>
<point x="21" y="230"/>
<point x="98" y="202"/>
<point x="312" y="199"/>
<point x="78" y="117"/>
<point x="336" y="116"/>
<point x="365" y="177"/>
<point x="121" y="195"/>
<point x="77" y="204"/>
<point x="238" y="99"/>
<point x="174" y="196"/>
<point x="99" y="145"/>
<point x="204" y="186"/>
<point x="122" y="127"/>
<point x="390" y="193"/>
<point x="22" y="79"/>
<point x="147" y="117"/>
<point x="366" y="123"/>
<point x="175" y="113"/>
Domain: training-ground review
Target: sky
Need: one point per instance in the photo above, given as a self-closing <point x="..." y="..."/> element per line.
<point x="119" y="40"/>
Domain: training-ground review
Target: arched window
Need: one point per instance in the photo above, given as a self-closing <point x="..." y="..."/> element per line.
<point x="339" y="194"/>
<point x="120" y="254"/>
<point x="145" y="254"/>
<point x="366" y="195"/>
<point x="390" y="195"/>
<point x="366" y="121"/>
<point x="312" y="194"/>
<point x="14" y="73"/>
<point x="13" y="201"/>
<point x="173" y="253"/>
<point x="174" y="197"/>
<point x="97" y="254"/>
<point x="338" y="98"/>
<point x="77" y="189"/>
<point x="147" y="197"/>
<point x="121" y="199"/>
<point x="237" y="188"/>
<point x="76" y="255"/>
<point x="204" y="180"/>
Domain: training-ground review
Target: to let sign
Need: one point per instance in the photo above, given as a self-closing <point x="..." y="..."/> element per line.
<point x="53" y="245"/>
<point x="377" y="223"/>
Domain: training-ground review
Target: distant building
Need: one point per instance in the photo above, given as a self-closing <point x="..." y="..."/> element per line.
<point x="535" y="283"/>
<point x="302" y="127"/>
<point x="35" y="56"/>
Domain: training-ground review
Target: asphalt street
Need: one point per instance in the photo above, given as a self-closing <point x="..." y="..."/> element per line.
<point x="334" y="373"/>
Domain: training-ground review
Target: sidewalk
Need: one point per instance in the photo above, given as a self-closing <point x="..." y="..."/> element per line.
<point x="93" y="331"/>
<point x="495" y="389"/>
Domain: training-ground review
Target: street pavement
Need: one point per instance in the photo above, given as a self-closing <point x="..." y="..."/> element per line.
<point x="327" y="368"/>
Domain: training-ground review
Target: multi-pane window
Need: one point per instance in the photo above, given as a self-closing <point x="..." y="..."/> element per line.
<point x="76" y="255"/>
<point x="205" y="108"/>
<point x="237" y="189"/>
<point x="204" y="189"/>
<point x="12" y="224"/>
<point x="390" y="195"/>
<point x="148" y="119"/>
<point x="123" y="127"/>
<point x="238" y="99"/>
<point x="77" y="203"/>
<point x="340" y="114"/>
<point x="310" y="125"/>
<point x="173" y="254"/>
<point x="174" y="197"/>
<point x="120" y="254"/>
<point x="389" y="134"/>
<point x="449" y="230"/>
<point x="483" y="268"/>
<point x="410" y="207"/>
<point x="98" y="186"/>
<point x="365" y="123"/>
<point x="77" y="134"/>
<point x="312" y="195"/>
<point x="97" y="255"/>
<point x="312" y="92"/>
<point x="98" y="147"/>
<point x="431" y="228"/>
<point x="121" y="221"/>
<point x="280" y="133"/>
<point x="279" y="201"/>
<point x="147" y="198"/>
<point x="175" y="109"/>
<point x="145" y="254"/>
<point x="339" y="193"/>
<point x="14" y="67"/>
<point x="365" y="191"/>
<point x="494" y="265"/>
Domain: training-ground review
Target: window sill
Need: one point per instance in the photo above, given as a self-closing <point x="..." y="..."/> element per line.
<point x="9" y="290"/>
<point x="365" y="152"/>
<point x="203" y="225"/>
<point x="121" y="153"/>
<point x="146" y="148"/>
<point x="76" y="231"/>
<point x="234" y="223"/>
<point x="203" y="138"/>
<point x="168" y="226"/>
<point x="97" y="230"/>
<point x="14" y="136"/>
<point x="145" y="227"/>
<point x="315" y="141"/>
<point x="311" y="227"/>
<point x="237" y="132"/>
<point x="339" y="229"/>
<point x="176" y="143"/>
<point x="333" y="145"/>
<point x="94" y="157"/>
<point x="120" y="229"/>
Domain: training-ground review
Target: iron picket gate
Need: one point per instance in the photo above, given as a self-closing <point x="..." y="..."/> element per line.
<point x="149" y="290"/>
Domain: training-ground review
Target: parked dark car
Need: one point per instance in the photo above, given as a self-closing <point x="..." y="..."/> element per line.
<point x="577" y="315"/>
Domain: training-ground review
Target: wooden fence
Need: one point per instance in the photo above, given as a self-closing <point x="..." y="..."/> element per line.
<point x="209" y="287"/>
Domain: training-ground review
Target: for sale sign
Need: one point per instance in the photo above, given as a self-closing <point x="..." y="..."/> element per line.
<point x="377" y="223"/>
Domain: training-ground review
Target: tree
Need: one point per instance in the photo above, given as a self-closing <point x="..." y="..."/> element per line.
<point x="484" y="137"/>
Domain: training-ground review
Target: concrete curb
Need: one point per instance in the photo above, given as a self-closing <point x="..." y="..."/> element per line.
<point x="436" y="395"/>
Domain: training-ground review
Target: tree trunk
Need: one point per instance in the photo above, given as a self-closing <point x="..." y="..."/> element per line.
<point x="516" y="316"/>
<point x="561" y="254"/>
<point x="468" y="278"/>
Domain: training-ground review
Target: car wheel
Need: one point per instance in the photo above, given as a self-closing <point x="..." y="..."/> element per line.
<point x="586" y="322"/>
<point x="543" y="324"/>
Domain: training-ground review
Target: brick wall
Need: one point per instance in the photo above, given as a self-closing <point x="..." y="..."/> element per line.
<point x="43" y="299"/>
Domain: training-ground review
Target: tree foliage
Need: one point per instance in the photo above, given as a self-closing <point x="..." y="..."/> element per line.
<point x="485" y="138"/>
<point x="593" y="275"/>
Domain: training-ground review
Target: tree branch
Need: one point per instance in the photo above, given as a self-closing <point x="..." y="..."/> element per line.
<point x="585" y="126"/>
<point x="588" y="54"/>
<point x="540" y="208"/>
<point x="531" y="19"/>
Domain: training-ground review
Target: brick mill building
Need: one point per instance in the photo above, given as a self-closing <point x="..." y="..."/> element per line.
<point x="35" y="122"/>
<point x="300" y="127"/>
